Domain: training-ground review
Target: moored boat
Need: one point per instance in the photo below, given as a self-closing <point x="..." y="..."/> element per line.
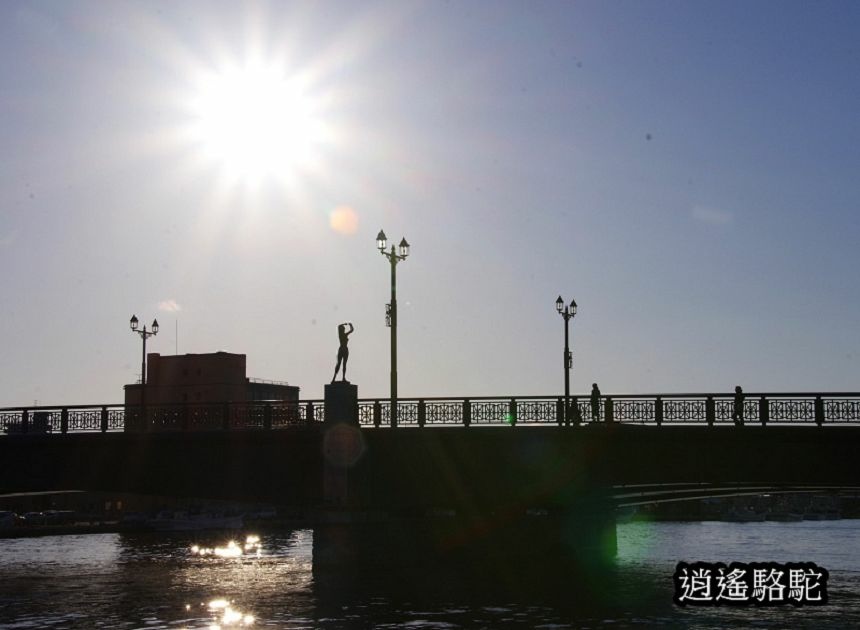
<point x="167" y="521"/>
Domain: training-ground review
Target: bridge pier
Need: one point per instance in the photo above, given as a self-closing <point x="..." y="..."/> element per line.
<point x="538" y="549"/>
<point x="486" y="502"/>
<point x="343" y="444"/>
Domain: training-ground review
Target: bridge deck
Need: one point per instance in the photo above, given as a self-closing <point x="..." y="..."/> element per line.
<point x="448" y="467"/>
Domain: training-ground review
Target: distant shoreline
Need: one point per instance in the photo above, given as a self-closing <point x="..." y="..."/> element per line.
<point x="280" y="524"/>
<point x="64" y="530"/>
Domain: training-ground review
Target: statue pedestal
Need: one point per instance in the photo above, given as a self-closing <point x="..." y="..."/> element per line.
<point x="343" y="444"/>
<point x="341" y="403"/>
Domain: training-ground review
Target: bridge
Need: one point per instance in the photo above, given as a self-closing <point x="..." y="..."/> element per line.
<point x="643" y="440"/>
<point x="486" y="464"/>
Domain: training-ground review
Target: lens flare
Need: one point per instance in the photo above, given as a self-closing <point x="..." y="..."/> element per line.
<point x="343" y="220"/>
<point x="343" y="445"/>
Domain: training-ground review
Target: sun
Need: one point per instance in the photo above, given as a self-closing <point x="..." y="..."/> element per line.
<point x="255" y="122"/>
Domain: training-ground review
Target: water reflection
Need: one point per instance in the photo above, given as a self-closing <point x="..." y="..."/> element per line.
<point x="205" y="580"/>
<point x="232" y="549"/>
<point x="155" y="581"/>
<point x="228" y="615"/>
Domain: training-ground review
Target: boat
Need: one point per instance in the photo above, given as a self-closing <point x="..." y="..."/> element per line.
<point x="169" y="521"/>
<point x="823" y="508"/>
<point x="784" y="516"/>
<point x="8" y="520"/>
<point x="743" y="516"/>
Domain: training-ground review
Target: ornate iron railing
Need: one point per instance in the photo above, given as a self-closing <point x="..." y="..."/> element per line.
<point x="813" y="409"/>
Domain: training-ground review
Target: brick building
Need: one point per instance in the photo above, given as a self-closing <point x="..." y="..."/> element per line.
<point x="215" y="377"/>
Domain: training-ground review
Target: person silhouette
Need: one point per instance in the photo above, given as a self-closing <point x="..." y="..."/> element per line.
<point x="738" y="407"/>
<point x="595" y="402"/>
<point x="343" y="350"/>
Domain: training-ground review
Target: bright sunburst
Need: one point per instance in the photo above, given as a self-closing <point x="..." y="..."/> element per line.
<point x="256" y="122"/>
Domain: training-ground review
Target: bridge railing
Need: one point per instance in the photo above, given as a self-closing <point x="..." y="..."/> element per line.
<point x="262" y="415"/>
<point x="719" y="409"/>
<point x="656" y="409"/>
<point x="714" y="409"/>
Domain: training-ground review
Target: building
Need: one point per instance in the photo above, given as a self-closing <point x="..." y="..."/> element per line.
<point x="216" y="377"/>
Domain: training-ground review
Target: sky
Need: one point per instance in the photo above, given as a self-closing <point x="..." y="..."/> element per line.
<point x="686" y="171"/>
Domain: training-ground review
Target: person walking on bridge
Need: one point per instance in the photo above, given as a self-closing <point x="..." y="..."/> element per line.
<point x="595" y="402"/>
<point x="738" y="407"/>
<point x="343" y="350"/>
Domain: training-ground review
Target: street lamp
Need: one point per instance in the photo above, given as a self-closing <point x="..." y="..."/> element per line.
<point x="144" y="334"/>
<point x="567" y="312"/>
<point x="393" y="257"/>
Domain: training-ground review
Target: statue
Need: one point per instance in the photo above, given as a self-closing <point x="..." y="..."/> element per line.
<point x="343" y="350"/>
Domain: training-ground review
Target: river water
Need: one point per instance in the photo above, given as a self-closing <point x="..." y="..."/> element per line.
<point x="190" y="581"/>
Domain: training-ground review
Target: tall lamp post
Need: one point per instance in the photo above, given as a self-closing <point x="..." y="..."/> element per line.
<point x="144" y="334"/>
<point x="393" y="257"/>
<point x="567" y="312"/>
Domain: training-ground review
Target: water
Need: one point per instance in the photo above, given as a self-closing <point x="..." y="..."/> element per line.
<point x="163" y="581"/>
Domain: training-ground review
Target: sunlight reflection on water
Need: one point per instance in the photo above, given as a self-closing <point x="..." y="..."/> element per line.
<point x="228" y="615"/>
<point x="252" y="570"/>
<point x="232" y="549"/>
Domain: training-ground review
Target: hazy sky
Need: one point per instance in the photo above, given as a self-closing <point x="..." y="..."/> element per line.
<point x="689" y="172"/>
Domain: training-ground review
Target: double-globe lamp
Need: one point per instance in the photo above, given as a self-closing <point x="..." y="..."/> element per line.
<point x="393" y="257"/>
<point x="144" y="334"/>
<point x="567" y="312"/>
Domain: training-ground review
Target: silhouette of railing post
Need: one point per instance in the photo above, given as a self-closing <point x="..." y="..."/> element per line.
<point x="512" y="412"/>
<point x="763" y="411"/>
<point x="64" y="420"/>
<point x="467" y="412"/>
<point x="422" y="412"/>
<point x="377" y="414"/>
<point x="609" y="410"/>
<point x="25" y="421"/>
<point x="104" y="423"/>
<point x="658" y="411"/>
<point x="710" y="411"/>
<point x="309" y="412"/>
<point x="575" y="412"/>
<point x="819" y="411"/>
<point x="267" y="417"/>
<point x="559" y="411"/>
